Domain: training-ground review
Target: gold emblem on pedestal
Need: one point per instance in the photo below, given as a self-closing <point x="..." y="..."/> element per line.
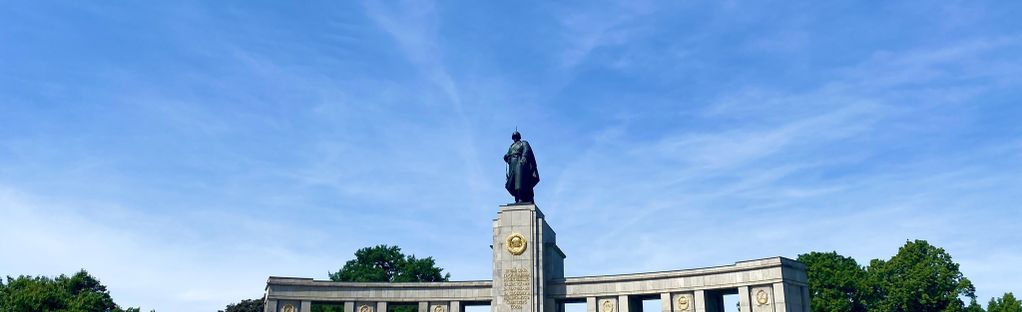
<point x="288" y="308"/>
<point x="439" y="308"/>
<point x="516" y="244"/>
<point x="365" y="308"/>
<point x="607" y="306"/>
<point x="762" y="297"/>
<point x="682" y="304"/>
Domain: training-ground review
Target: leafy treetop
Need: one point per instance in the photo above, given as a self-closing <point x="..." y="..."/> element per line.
<point x="387" y="264"/>
<point x="921" y="277"/>
<point x="79" y="292"/>
<point x="246" y="305"/>
<point x="836" y="282"/>
<point x="1006" y="303"/>
<point x="381" y="263"/>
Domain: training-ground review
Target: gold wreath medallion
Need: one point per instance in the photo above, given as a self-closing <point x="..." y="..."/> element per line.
<point x="288" y="308"/>
<point x="683" y="303"/>
<point x="365" y="308"/>
<point x="762" y="297"/>
<point x="516" y="244"/>
<point x="608" y="306"/>
<point x="439" y="308"/>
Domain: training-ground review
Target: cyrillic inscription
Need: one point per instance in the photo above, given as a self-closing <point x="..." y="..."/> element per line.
<point x="517" y="287"/>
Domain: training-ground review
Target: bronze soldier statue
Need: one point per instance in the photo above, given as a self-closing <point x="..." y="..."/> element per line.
<point x="522" y="174"/>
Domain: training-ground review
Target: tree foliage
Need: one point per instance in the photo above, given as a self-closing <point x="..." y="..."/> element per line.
<point x="327" y="307"/>
<point x="381" y="263"/>
<point x="974" y="306"/>
<point x="79" y="292"/>
<point x="247" y="305"/>
<point x="387" y="264"/>
<point x="1006" y="303"/>
<point x="921" y="277"/>
<point x="384" y="263"/>
<point x="836" y="283"/>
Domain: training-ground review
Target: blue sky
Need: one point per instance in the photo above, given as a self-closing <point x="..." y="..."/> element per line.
<point x="184" y="151"/>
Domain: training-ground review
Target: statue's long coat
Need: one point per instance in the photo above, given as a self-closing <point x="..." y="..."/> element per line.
<point x="522" y="174"/>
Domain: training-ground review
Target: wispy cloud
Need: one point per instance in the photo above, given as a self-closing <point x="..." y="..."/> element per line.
<point x="184" y="153"/>
<point x="143" y="256"/>
<point x="792" y="172"/>
<point x="413" y="25"/>
<point x="587" y="29"/>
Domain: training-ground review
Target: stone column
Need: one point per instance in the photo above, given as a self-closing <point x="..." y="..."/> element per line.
<point x="700" y="300"/>
<point x="381" y="306"/>
<point x="780" y="302"/>
<point x="805" y="298"/>
<point x="270" y="305"/>
<point x="349" y="306"/>
<point x="744" y="303"/>
<point x="591" y="304"/>
<point x="306" y="306"/>
<point x="790" y="298"/>
<point x="622" y="303"/>
<point x="665" y="302"/>
<point x="423" y="306"/>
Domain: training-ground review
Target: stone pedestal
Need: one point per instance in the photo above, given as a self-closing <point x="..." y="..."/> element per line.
<point x="525" y="258"/>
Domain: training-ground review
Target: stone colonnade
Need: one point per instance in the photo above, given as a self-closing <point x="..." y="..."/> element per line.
<point x="528" y="276"/>
<point x="772" y="284"/>
<point x="362" y="306"/>
<point x="704" y="300"/>
<point x="766" y="285"/>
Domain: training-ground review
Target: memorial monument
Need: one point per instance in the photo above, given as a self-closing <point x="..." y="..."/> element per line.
<point x="528" y="274"/>
<point x="522" y="173"/>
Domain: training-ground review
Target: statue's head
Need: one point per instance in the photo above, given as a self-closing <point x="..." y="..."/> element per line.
<point x="516" y="136"/>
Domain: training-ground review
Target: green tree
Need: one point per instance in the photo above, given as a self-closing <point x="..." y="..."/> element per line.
<point x="1006" y="303"/>
<point x="836" y="283"/>
<point x="79" y="292"/>
<point x="327" y="307"/>
<point x="920" y="277"/>
<point x="387" y="264"/>
<point x="381" y="263"/>
<point x="974" y="306"/>
<point x="247" y="305"/>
